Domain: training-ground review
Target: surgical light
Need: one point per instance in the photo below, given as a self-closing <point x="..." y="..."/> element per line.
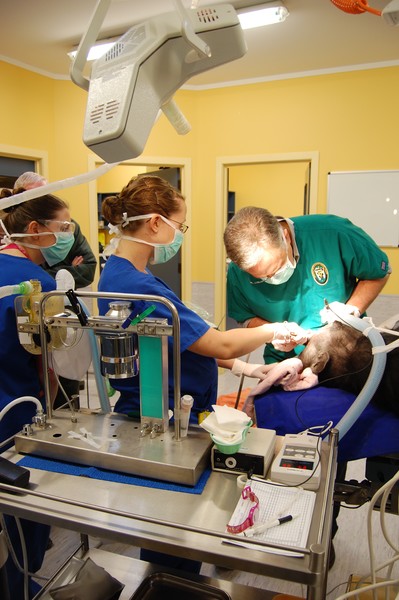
<point x="139" y="75"/>
<point x="263" y="14"/>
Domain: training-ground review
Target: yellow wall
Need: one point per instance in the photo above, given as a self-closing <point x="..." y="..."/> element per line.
<point x="349" y="118"/>
<point x="279" y="187"/>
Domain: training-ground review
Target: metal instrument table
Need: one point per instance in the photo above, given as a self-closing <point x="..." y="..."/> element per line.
<point x="185" y="525"/>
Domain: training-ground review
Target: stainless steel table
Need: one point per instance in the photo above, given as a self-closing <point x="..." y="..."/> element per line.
<point x="176" y="523"/>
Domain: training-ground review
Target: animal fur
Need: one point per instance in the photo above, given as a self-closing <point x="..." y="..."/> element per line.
<point x="342" y="357"/>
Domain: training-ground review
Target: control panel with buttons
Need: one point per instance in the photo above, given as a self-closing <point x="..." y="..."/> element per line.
<point x="298" y="462"/>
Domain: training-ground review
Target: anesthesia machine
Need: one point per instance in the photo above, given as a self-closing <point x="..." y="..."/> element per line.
<point x="129" y="344"/>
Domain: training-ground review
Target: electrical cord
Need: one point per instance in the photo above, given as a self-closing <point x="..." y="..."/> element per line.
<point x="374" y="569"/>
<point x="369" y="588"/>
<point x="24" y="570"/>
<point x="24" y="558"/>
<point x="321" y="384"/>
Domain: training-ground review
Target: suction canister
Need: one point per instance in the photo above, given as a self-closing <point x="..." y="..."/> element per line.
<point x="119" y="351"/>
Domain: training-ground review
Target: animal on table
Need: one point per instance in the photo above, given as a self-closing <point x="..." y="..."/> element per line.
<point x="341" y="356"/>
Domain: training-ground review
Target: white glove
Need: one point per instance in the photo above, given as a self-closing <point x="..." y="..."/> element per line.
<point x="338" y="311"/>
<point x="288" y="335"/>
<point x="249" y="369"/>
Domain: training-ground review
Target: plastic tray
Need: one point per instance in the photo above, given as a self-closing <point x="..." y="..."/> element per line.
<point x="162" y="586"/>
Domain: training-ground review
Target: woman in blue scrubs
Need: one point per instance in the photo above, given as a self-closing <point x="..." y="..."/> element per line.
<point x="148" y="217"/>
<point x="29" y="231"/>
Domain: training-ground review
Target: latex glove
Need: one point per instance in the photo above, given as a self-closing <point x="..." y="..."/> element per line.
<point x="249" y="369"/>
<point x="338" y="311"/>
<point x="288" y="335"/>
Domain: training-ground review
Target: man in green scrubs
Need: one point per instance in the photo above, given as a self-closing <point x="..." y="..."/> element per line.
<point x="284" y="270"/>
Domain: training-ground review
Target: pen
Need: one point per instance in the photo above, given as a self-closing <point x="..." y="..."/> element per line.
<point x="268" y="525"/>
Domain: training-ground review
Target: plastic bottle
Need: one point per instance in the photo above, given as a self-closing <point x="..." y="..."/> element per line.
<point x="185" y="410"/>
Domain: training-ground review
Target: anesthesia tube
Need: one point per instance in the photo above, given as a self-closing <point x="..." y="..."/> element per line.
<point x="23" y="288"/>
<point x="373" y="380"/>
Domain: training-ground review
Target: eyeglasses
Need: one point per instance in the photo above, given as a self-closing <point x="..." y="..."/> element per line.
<point x="182" y="226"/>
<point x="246" y="494"/>
<point x="264" y="279"/>
<point x="64" y="226"/>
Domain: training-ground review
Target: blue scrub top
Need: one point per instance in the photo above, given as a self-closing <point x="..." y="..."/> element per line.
<point x="19" y="370"/>
<point x="198" y="373"/>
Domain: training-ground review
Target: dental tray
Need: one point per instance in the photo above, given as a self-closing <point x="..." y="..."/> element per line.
<point x="163" y="586"/>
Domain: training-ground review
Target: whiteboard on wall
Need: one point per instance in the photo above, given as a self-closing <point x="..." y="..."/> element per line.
<point x="370" y="199"/>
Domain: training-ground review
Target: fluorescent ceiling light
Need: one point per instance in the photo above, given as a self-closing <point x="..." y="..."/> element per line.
<point x="97" y="50"/>
<point x="263" y="14"/>
<point x="251" y="17"/>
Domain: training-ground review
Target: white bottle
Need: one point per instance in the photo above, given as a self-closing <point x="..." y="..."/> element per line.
<point x="185" y="410"/>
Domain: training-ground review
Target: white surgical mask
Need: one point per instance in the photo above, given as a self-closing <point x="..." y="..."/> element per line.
<point x="162" y="252"/>
<point x="282" y="275"/>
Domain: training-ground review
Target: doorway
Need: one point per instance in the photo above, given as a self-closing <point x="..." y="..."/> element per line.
<point x="270" y="181"/>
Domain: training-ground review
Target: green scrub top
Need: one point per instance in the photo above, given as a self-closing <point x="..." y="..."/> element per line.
<point x="333" y="254"/>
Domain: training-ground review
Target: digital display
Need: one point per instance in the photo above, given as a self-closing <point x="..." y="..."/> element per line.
<point x="292" y="463"/>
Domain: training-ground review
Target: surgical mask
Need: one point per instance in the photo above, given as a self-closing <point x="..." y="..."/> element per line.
<point x="162" y="252"/>
<point x="62" y="247"/>
<point x="282" y="275"/>
<point x="56" y="253"/>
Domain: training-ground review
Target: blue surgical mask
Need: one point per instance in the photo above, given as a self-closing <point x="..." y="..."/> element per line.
<point x="162" y="252"/>
<point x="56" y="253"/>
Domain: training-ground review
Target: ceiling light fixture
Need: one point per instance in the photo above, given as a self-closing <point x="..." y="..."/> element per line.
<point x="97" y="50"/>
<point x="262" y="14"/>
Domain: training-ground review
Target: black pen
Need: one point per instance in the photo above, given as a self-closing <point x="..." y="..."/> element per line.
<point x="268" y="525"/>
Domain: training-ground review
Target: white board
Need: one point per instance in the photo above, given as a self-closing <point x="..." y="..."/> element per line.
<point x="370" y="199"/>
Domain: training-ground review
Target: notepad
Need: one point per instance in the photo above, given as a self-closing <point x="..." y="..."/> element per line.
<point x="274" y="502"/>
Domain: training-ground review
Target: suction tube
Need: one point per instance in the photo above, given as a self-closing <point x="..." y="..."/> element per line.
<point x="373" y="380"/>
<point x="55" y="186"/>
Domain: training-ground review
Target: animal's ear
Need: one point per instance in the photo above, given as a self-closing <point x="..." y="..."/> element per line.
<point x="319" y="362"/>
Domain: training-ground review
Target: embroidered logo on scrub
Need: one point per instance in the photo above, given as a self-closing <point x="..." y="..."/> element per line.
<point x="320" y="273"/>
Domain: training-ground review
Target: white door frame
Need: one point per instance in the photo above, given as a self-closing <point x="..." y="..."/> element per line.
<point x="185" y="168"/>
<point x="222" y="165"/>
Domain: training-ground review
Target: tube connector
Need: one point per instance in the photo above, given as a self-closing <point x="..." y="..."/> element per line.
<point x="40" y="419"/>
<point x="145" y="429"/>
<point x="156" y="430"/>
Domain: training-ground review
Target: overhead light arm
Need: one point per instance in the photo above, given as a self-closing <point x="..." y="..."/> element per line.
<point x="87" y="41"/>
<point x="189" y="34"/>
